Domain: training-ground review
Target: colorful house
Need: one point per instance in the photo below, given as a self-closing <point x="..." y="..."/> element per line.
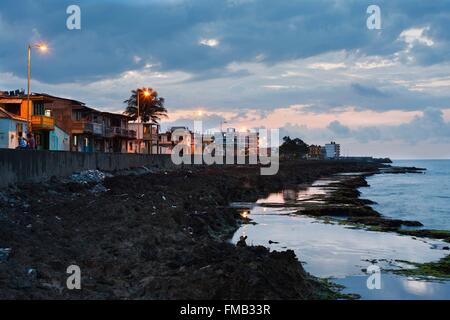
<point x="11" y="128"/>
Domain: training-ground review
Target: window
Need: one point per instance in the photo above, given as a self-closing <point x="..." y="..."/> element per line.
<point x="77" y="115"/>
<point x="19" y="128"/>
<point x="38" y="108"/>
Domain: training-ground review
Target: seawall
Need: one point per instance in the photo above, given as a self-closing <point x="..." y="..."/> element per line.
<point x="20" y="166"/>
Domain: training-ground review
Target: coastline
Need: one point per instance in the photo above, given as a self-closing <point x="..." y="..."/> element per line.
<point x="155" y="236"/>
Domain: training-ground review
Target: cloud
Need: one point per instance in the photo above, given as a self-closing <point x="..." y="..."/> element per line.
<point x="168" y="32"/>
<point x="337" y="128"/>
<point x="209" y="42"/>
<point x="247" y="61"/>
<point x="364" y="90"/>
<point x="416" y="36"/>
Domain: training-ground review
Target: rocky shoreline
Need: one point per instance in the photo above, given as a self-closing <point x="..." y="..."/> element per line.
<point x="161" y="235"/>
<point x="344" y="206"/>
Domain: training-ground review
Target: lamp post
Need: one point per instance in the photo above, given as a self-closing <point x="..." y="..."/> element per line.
<point x="43" y="48"/>
<point x="146" y="93"/>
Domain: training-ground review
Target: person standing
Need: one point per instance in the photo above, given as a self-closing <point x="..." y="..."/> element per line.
<point x="31" y="141"/>
<point x="22" y="142"/>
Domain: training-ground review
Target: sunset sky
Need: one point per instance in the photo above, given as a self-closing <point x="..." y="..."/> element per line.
<point x="311" y="68"/>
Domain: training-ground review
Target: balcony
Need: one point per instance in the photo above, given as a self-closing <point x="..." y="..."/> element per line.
<point x="95" y="128"/>
<point x="151" y="137"/>
<point x="113" y="132"/>
<point x="42" y="122"/>
<point x="88" y="127"/>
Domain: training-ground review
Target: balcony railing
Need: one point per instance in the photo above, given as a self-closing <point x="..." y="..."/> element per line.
<point x="112" y="132"/>
<point x="95" y="128"/>
<point x="88" y="127"/>
<point x="148" y="136"/>
<point x="42" y="122"/>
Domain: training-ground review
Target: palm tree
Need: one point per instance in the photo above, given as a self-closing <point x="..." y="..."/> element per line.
<point x="151" y="106"/>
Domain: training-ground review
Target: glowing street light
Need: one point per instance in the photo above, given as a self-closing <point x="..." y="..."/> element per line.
<point x="146" y="92"/>
<point x="41" y="47"/>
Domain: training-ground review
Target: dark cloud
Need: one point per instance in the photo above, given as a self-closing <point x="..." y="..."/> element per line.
<point x="338" y="129"/>
<point x="168" y="32"/>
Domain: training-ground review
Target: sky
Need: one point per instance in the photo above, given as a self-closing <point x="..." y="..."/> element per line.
<point x="312" y="69"/>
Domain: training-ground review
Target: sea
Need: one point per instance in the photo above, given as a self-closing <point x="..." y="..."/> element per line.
<point x="343" y="254"/>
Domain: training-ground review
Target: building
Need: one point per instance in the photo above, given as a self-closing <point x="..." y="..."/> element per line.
<point x="332" y="150"/>
<point x="59" y="140"/>
<point x="174" y="136"/>
<point x="316" y="152"/>
<point x="146" y="140"/>
<point x="11" y="128"/>
<point x="117" y="133"/>
<point x="240" y="143"/>
<point x="69" y="125"/>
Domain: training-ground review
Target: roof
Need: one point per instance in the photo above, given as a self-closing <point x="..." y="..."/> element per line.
<point x="8" y="115"/>
<point x="8" y="100"/>
<point x="116" y="114"/>
<point x="54" y="97"/>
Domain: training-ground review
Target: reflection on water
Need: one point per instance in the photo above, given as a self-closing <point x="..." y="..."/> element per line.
<point x="397" y="287"/>
<point x="333" y="250"/>
<point x="340" y="252"/>
<point x="313" y="193"/>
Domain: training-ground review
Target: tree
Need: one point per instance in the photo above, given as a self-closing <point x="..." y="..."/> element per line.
<point x="151" y="106"/>
<point x="293" y="148"/>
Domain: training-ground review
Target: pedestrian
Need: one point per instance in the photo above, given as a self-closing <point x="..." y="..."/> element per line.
<point x="242" y="242"/>
<point x="31" y="141"/>
<point x="22" y="141"/>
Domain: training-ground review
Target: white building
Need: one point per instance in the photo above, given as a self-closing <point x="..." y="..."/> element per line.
<point x="146" y="140"/>
<point x="11" y="127"/>
<point x="332" y="150"/>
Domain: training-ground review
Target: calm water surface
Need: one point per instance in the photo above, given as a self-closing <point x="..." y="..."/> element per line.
<point x="343" y="253"/>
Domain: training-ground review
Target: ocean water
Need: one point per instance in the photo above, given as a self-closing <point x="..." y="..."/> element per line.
<point x="423" y="197"/>
<point x="343" y="253"/>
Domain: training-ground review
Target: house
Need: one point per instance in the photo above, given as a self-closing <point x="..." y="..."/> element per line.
<point x="59" y="140"/>
<point x="146" y="138"/>
<point x="165" y="144"/>
<point x="11" y="127"/>
<point x="89" y="130"/>
<point x="174" y="136"/>
<point x="117" y="133"/>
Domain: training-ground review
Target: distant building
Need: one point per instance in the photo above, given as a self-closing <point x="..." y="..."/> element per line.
<point x="174" y="136"/>
<point x="315" y="152"/>
<point x="332" y="150"/>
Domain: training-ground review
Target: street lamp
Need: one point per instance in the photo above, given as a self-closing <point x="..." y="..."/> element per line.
<point x="146" y="93"/>
<point x="42" y="47"/>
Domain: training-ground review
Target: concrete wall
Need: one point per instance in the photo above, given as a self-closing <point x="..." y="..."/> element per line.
<point x="18" y="166"/>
